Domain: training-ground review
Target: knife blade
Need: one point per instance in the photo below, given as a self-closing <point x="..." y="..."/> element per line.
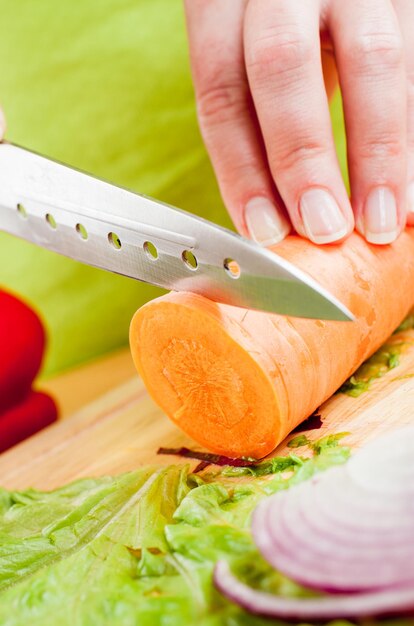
<point x="92" y="221"/>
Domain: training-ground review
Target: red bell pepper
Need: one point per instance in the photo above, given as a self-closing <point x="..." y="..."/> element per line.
<point x="22" y="344"/>
<point x="36" y="411"/>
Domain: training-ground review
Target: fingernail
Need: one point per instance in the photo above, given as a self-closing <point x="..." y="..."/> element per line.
<point x="322" y="218"/>
<point x="410" y="200"/>
<point x="380" y="216"/>
<point x="265" y="224"/>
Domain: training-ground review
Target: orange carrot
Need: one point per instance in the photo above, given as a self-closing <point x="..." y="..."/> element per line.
<point x="239" y="381"/>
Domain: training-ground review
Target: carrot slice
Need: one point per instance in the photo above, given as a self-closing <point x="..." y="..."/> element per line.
<point x="239" y="381"/>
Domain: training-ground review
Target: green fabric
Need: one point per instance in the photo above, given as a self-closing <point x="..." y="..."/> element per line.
<point x="103" y="85"/>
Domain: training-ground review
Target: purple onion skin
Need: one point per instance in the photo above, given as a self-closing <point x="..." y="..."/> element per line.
<point x="383" y="604"/>
<point x="272" y="548"/>
<point x="207" y="457"/>
<point x="317" y="534"/>
<point x="313" y="422"/>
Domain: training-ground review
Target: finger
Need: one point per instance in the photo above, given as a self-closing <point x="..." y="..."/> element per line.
<point x="370" y="60"/>
<point x="227" y="120"/>
<point x="283" y="60"/>
<point x="405" y="14"/>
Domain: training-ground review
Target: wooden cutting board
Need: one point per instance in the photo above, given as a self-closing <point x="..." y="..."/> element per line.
<point x="122" y="428"/>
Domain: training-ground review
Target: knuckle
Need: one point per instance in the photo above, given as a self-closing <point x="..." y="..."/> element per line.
<point x="237" y="173"/>
<point x="279" y="52"/>
<point x="377" y="51"/>
<point x="221" y="102"/>
<point x="293" y="156"/>
<point x="382" y="148"/>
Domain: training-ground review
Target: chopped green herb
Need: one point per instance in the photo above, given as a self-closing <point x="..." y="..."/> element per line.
<point x="353" y="387"/>
<point x="381" y="362"/>
<point x="393" y="360"/>
<point x="327" y="442"/>
<point x="326" y="451"/>
<point x="299" y="441"/>
<point x="264" y="468"/>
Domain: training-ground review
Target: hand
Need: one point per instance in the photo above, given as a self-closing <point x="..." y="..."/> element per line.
<point x="259" y="68"/>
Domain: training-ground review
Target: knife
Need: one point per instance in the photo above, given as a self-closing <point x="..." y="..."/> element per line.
<point x="92" y="221"/>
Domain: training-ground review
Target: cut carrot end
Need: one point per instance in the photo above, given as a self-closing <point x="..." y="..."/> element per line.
<point x="209" y="385"/>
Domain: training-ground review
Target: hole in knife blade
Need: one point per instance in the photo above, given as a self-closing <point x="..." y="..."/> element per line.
<point x="114" y="240"/>
<point x="21" y="210"/>
<point x="51" y="220"/>
<point x="81" y="230"/>
<point x="232" y="268"/>
<point x="150" y="250"/>
<point x="189" y="260"/>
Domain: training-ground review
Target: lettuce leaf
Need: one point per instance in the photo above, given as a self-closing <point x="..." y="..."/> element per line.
<point x="139" y="549"/>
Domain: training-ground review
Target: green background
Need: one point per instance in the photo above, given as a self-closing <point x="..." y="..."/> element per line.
<point x="103" y="85"/>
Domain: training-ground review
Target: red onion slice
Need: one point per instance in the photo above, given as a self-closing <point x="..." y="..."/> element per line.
<point x="340" y="568"/>
<point x="345" y="504"/>
<point x="348" y="532"/>
<point x="350" y="529"/>
<point x="373" y="604"/>
<point x="386" y="465"/>
<point x="295" y="522"/>
<point x="333" y="533"/>
<point x="300" y="557"/>
<point x="260" y="531"/>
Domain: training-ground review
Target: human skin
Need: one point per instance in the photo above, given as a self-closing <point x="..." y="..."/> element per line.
<point x="263" y="71"/>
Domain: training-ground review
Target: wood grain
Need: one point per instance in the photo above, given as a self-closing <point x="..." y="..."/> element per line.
<point x="80" y="386"/>
<point x="123" y="429"/>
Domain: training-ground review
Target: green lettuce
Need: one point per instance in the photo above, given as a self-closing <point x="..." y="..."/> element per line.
<point x="379" y="364"/>
<point x="139" y="549"/>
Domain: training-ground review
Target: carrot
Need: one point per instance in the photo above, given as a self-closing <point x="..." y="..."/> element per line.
<point x="239" y="381"/>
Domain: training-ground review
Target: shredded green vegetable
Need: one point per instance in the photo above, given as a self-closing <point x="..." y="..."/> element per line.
<point x="139" y="549"/>
<point x="381" y="362"/>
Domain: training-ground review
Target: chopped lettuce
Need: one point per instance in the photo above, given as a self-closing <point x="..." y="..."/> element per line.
<point x="139" y="549"/>
<point x="381" y="362"/>
<point x="299" y="441"/>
